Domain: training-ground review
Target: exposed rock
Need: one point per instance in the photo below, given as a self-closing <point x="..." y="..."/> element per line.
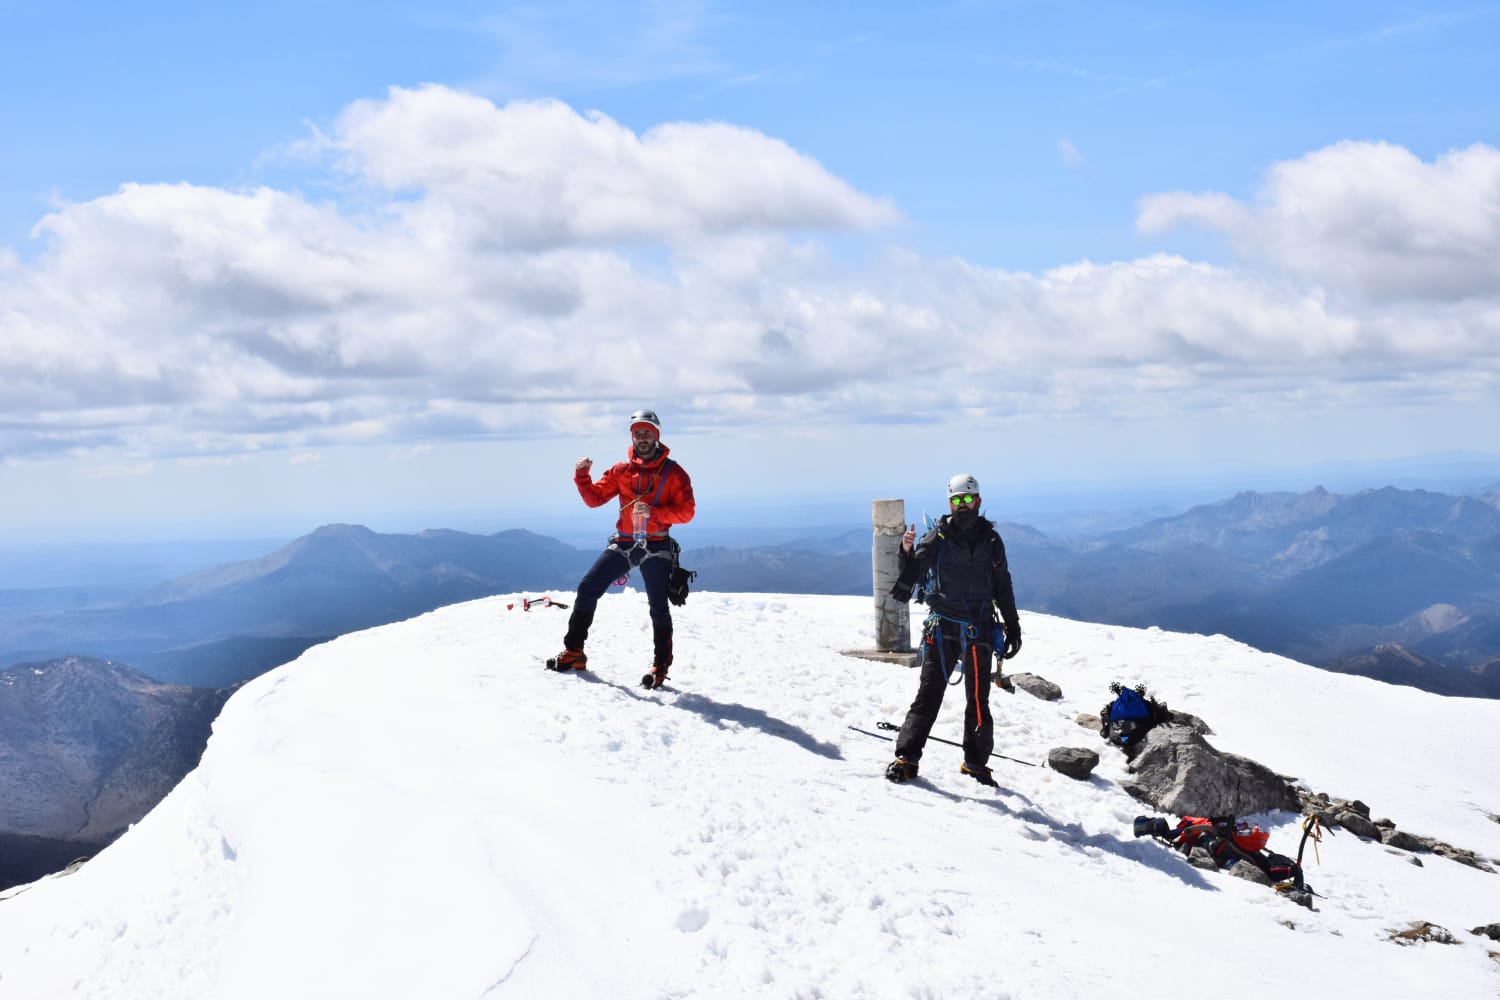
<point x="1177" y="771"/>
<point x="1190" y="721"/>
<point x="1038" y="687"/>
<point x="1419" y="931"/>
<point x="1491" y="931"/>
<point x="1460" y="855"/>
<point x="1353" y="816"/>
<point x="1088" y="721"/>
<point x="1249" y="873"/>
<point x="1302" y="897"/>
<point x="1075" y="762"/>
<point x="1406" y="841"/>
<point x="1357" y="824"/>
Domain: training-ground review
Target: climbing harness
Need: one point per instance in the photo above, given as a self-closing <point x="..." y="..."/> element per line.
<point x="640" y="539"/>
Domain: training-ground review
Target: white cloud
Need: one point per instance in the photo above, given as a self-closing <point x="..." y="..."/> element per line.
<point x="534" y="175"/>
<point x="1370" y="220"/>
<point x="525" y="271"/>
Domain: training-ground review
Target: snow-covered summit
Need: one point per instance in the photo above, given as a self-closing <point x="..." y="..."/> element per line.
<point x="419" y="810"/>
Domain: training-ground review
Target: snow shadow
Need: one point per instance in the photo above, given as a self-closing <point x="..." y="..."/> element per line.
<point x="724" y="714"/>
<point x="1150" y="854"/>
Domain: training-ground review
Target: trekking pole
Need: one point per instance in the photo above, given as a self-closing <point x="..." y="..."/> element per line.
<point x="892" y="727"/>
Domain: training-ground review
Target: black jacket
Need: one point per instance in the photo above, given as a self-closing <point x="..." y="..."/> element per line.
<point x="971" y="570"/>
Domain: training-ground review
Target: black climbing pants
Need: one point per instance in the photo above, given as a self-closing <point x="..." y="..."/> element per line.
<point x="655" y="564"/>
<point x="942" y="649"/>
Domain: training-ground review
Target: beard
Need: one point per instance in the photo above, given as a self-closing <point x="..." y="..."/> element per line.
<point x="646" y="450"/>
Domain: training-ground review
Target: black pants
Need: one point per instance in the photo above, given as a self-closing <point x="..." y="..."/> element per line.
<point x="655" y="564"/>
<point x="979" y="732"/>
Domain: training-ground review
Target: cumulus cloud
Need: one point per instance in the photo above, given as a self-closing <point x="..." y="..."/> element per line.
<point x="534" y="175"/>
<point x="1367" y="219"/>
<point x="528" y="270"/>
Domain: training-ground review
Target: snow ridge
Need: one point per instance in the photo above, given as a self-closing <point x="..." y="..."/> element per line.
<point x="421" y="810"/>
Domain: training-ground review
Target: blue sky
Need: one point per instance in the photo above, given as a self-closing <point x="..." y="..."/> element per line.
<point x="268" y="266"/>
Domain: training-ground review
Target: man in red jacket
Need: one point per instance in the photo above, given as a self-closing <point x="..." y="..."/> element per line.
<point x="654" y="493"/>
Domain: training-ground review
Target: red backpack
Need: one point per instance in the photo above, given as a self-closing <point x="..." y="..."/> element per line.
<point x="1228" y="841"/>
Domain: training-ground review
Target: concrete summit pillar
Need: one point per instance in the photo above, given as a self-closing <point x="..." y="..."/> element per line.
<point x="892" y="617"/>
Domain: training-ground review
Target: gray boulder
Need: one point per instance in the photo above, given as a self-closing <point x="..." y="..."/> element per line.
<point x="1177" y="771"/>
<point x="1075" y="762"/>
<point x="1406" y="841"/>
<point x="1357" y="824"/>
<point x="1250" y="873"/>
<point x="1038" y="687"/>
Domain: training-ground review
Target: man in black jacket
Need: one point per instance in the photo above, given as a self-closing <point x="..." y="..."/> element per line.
<point x="971" y="581"/>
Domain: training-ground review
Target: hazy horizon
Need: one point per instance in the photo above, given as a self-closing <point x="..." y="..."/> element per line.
<point x="141" y="556"/>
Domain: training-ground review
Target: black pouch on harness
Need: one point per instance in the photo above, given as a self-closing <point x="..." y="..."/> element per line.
<point x="677" y="584"/>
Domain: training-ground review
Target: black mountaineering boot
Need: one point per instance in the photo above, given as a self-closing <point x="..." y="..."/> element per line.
<point x="979" y="773"/>
<point x="901" y="770"/>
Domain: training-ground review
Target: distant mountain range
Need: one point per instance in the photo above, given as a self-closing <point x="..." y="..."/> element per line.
<point x="228" y="624"/>
<point x="1324" y="578"/>
<point x="1399" y="584"/>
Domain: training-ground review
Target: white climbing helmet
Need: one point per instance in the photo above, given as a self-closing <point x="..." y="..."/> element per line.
<point x="961" y="484"/>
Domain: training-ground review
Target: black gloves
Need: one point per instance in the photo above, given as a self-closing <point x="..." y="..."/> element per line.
<point x="1012" y="640"/>
<point x="901" y="592"/>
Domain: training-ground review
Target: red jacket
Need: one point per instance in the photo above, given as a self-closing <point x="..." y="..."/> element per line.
<point x="634" y="480"/>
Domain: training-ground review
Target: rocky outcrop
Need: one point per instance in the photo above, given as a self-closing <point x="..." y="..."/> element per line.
<point x="1177" y="771"/>
<point x="1354" y="816"/>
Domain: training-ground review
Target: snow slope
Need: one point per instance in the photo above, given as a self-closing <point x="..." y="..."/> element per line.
<point x="419" y="811"/>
